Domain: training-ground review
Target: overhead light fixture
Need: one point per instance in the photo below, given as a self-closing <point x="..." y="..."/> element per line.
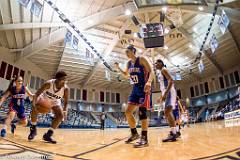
<point x="190" y="46"/>
<point x="140" y="50"/>
<point x="186" y="58"/>
<point x="166" y="31"/>
<point x="164" y="9"/>
<point x="200" y="8"/>
<point x="135" y="35"/>
<point x="90" y="21"/>
<point x="194" y="29"/>
<point x="128" y="12"/>
<point x="165" y="47"/>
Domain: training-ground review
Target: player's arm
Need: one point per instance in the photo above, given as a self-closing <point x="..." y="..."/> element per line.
<point x="170" y="80"/>
<point x="29" y="93"/>
<point x="180" y="106"/>
<point x="4" y="97"/>
<point x="44" y="87"/>
<point x="65" y="98"/>
<point x="124" y="72"/>
<point x="148" y="68"/>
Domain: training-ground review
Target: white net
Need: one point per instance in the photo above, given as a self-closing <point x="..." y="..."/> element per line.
<point x="175" y="16"/>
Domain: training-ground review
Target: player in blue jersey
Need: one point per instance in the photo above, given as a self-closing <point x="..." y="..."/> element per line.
<point x="17" y="91"/>
<point x="168" y="98"/>
<point x="177" y="112"/>
<point x="141" y="76"/>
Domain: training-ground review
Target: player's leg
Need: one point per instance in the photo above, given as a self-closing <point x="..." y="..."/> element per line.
<point x="22" y="119"/>
<point x="33" y="126"/>
<point x="144" y="120"/>
<point x="7" y="122"/>
<point x="57" y="110"/>
<point x="177" y="121"/>
<point x="132" y="122"/>
<point x="169" y="104"/>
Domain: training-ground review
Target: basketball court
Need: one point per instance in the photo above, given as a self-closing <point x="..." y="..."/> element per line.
<point x="200" y="141"/>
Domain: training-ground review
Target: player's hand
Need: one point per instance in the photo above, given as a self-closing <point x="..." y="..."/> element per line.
<point x="147" y="87"/>
<point x="164" y="96"/>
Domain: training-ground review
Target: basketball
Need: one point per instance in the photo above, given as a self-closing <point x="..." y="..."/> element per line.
<point x="43" y="104"/>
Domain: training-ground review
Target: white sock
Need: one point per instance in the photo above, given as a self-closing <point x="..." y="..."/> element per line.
<point x="51" y="129"/>
<point x="34" y="123"/>
<point x="4" y="126"/>
<point x="177" y="128"/>
<point x="173" y="129"/>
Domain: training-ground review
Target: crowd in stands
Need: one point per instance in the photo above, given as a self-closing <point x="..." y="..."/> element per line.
<point x="225" y="107"/>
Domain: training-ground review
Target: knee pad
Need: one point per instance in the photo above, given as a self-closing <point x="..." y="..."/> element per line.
<point x="142" y="113"/>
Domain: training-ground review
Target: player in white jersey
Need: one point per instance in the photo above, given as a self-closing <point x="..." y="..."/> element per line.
<point x="168" y="98"/>
<point x="48" y="98"/>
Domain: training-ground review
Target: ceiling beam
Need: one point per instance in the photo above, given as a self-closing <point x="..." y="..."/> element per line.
<point x="234" y="14"/>
<point x="233" y="36"/>
<point x="103" y="16"/>
<point x="210" y="58"/>
<point x="19" y="26"/>
<point x="107" y="52"/>
<point x="43" y="43"/>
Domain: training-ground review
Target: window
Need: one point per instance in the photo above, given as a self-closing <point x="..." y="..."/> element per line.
<point x="32" y="82"/>
<point x="101" y="96"/>
<point x="113" y="98"/>
<point x="221" y="82"/>
<point x="206" y="87"/>
<point x="107" y="97"/>
<point x="232" y="79"/>
<point x="196" y="90"/>
<point x="42" y="82"/>
<point x="84" y="95"/>
<point x="192" y="91"/>
<point x="37" y="85"/>
<point x="78" y="95"/>
<point x="9" y="72"/>
<point x="227" y="80"/>
<point x="72" y="93"/>
<point x="118" y="97"/>
<point x="201" y="89"/>
<point x="15" y="72"/>
<point x="22" y="73"/>
<point x="3" y="69"/>
<point x="179" y="93"/>
<point x="237" y="77"/>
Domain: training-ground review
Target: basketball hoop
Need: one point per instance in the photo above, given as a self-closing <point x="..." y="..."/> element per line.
<point x="175" y="16"/>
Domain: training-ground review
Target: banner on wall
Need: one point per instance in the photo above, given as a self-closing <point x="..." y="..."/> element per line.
<point x="24" y="3"/>
<point x="68" y="37"/>
<point x="201" y="66"/>
<point x="87" y="53"/>
<point x="36" y="8"/>
<point x="107" y="75"/>
<point x="223" y="22"/>
<point x="213" y="43"/>
<point x="75" y="43"/>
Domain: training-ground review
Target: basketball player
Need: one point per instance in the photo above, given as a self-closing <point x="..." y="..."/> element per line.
<point x="177" y="112"/>
<point x="48" y="98"/>
<point x="17" y="91"/>
<point x="168" y="98"/>
<point x="141" y="76"/>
